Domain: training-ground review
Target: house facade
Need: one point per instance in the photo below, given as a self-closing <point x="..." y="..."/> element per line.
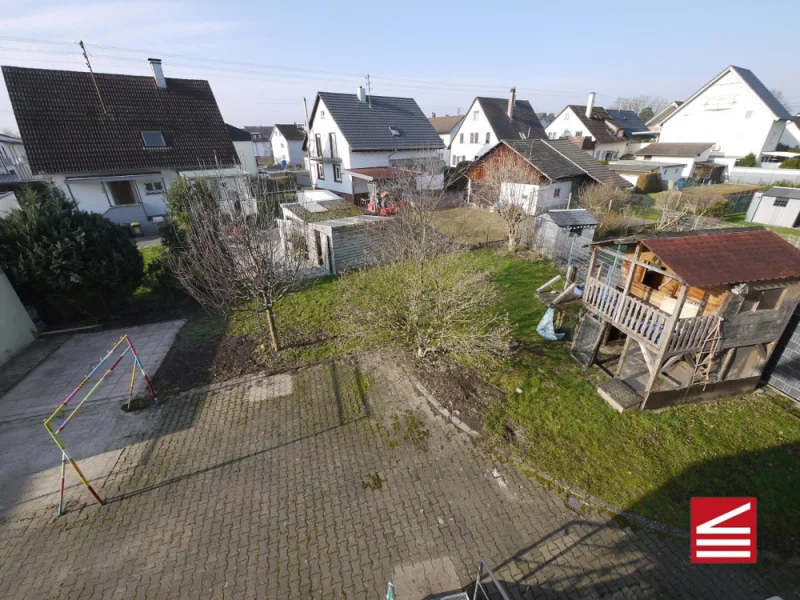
<point x="631" y="170"/>
<point x="687" y="154"/>
<point x="261" y="136"/>
<point x="445" y="127"/>
<point x="491" y="120"/>
<point x="245" y="148"/>
<point x="735" y="111"/>
<point x="605" y="134"/>
<point x="115" y="143"/>
<point x="287" y="144"/>
<point x="355" y="141"/>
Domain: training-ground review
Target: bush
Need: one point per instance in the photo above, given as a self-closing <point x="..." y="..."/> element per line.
<point x="748" y="160"/>
<point x="66" y="262"/>
<point x="791" y="163"/>
<point x="649" y="182"/>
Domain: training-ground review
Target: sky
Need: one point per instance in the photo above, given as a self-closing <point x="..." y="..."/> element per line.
<point x="262" y="58"/>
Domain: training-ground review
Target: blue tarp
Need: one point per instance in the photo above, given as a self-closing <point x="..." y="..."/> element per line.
<point x="546" y="329"/>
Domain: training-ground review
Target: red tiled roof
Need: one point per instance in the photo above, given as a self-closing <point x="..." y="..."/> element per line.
<point x="727" y="258"/>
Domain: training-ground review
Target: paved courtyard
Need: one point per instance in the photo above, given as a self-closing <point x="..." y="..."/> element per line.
<point x="40" y="391"/>
<point x="322" y="483"/>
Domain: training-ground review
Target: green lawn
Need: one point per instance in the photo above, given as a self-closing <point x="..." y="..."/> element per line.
<point x="739" y="220"/>
<point x="145" y="290"/>
<point x="470" y="225"/>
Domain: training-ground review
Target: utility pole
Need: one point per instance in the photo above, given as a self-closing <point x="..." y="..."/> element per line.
<point x="94" y="81"/>
<point x="369" y="91"/>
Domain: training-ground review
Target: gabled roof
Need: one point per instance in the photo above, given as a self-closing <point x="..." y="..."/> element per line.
<point x="572" y="217"/>
<point x="291" y="131"/>
<point x="597" y="124"/>
<point x="544" y="159"/>
<point x="238" y="135"/>
<point x="366" y="125"/>
<point x="444" y="125"/>
<point x="592" y="167"/>
<point x="66" y="130"/>
<point x="783" y="192"/>
<point x="265" y="131"/>
<point x="674" y="149"/>
<point x="524" y="120"/>
<point x="754" y="83"/>
<point x="662" y="115"/>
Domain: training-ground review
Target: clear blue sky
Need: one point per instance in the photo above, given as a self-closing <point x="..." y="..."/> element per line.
<point x="442" y="54"/>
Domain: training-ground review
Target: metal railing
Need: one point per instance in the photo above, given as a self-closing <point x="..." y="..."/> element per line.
<point x="479" y="587"/>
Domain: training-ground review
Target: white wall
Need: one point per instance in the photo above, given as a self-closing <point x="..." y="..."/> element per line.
<point x="16" y="328"/>
<point x="791" y="135"/>
<point x="472" y="124"/>
<point x="759" y="176"/>
<point x="444" y="153"/>
<point x="567" y="124"/>
<point x="767" y="213"/>
<point x="324" y="125"/>
<point x="536" y="199"/>
<point x="262" y="147"/>
<point x="8" y="202"/>
<point x="688" y="161"/>
<point x="283" y="149"/>
<point x="719" y="115"/>
<point x="247" y="156"/>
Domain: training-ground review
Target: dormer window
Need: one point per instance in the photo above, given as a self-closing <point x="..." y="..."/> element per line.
<point x="394" y="131"/>
<point x="153" y="139"/>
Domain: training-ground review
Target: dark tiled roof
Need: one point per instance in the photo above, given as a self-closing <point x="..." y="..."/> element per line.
<point x="783" y="192"/>
<point x="366" y="127"/>
<point x="524" y="122"/>
<point x="572" y="217"/>
<point x="383" y="173"/>
<point x="292" y="132"/>
<point x="66" y="131"/>
<point x="597" y="124"/>
<point x="640" y="166"/>
<point x="713" y="257"/>
<point x="238" y="135"/>
<point x="674" y="149"/>
<point x="662" y="116"/>
<point x="778" y="109"/>
<point x="591" y="166"/>
<point x="265" y="131"/>
<point x="444" y="125"/>
<point x="545" y="159"/>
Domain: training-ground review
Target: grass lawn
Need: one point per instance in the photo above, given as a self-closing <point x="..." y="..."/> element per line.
<point x="470" y="225"/>
<point x="739" y="220"/>
<point x="149" y="254"/>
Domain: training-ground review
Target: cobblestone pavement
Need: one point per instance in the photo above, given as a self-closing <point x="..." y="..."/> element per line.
<point x="323" y="484"/>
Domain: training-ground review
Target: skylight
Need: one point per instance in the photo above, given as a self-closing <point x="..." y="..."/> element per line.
<point x="394" y="131"/>
<point x="153" y="139"/>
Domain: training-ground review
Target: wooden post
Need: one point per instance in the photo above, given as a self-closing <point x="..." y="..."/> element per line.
<point x="628" y="283"/>
<point x="622" y="356"/>
<point x="666" y="336"/>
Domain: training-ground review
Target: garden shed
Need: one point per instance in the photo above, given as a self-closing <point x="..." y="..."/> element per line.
<point x="778" y="206"/>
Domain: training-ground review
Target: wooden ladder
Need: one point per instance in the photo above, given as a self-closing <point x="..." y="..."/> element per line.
<point x="705" y="356"/>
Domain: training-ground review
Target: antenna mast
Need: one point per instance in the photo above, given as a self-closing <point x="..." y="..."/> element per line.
<point x="369" y="91"/>
<point x="94" y="81"/>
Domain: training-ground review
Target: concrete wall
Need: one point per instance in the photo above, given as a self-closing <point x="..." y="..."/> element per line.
<point x="247" y="156"/>
<point x="16" y="328"/>
<point x="8" y="202"/>
<point x="759" y="176"/>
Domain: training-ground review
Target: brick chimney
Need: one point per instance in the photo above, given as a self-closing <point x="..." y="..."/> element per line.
<point x="590" y="105"/>
<point x="158" y="73"/>
<point x="512" y="96"/>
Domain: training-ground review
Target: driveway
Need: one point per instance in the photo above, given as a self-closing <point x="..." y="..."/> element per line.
<point x="322" y="483"/>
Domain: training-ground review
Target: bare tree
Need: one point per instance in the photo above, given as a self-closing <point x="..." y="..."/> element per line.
<point x="606" y="202"/>
<point x="638" y="103"/>
<point x="780" y="97"/>
<point x="423" y="295"/>
<point x="229" y="254"/>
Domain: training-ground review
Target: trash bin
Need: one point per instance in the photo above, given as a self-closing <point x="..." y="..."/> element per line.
<point x="160" y="223"/>
<point x="136" y="228"/>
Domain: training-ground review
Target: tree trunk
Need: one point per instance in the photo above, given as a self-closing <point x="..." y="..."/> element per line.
<point x="512" y="239"/>
<point x="273" y="334"/>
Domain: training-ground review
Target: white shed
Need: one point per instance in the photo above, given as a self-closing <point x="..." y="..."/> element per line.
<point x="778" y="206"/>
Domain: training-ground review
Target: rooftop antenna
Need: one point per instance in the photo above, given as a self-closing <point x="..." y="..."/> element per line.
<point x="94" y="81"/>
<point x="369" y="91"/>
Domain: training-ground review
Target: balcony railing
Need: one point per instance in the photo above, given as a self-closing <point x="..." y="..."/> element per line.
<point x="644" y="321"/>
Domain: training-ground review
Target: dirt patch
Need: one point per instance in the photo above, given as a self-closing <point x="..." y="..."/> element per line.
<point x="463" y="393"/>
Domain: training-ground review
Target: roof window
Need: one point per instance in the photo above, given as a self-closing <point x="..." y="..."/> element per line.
<point x="153" y="139"/>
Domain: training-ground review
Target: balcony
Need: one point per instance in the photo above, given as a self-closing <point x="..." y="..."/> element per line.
<point x="645" y="322"/>
<point x="324" y="157"/>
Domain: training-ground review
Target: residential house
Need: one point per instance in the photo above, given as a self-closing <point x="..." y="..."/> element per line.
<point x="245" y="148"/>
<point x="734" y="111"/>
<point x="791" y="135"/>
<point x="287" y="144"/>
<point x="261" y="140"/>
<point x="554" y="171"/>
<point x="777" y="206"/>
<point x="334" y="234"/>
<point x="686" y="316"/>
<point x="631" y="170"/>
<point x="446" y="127"/>
<point x="654" y="124"/>
<point x="116" y="142"/>
<point x="355" y="142"/>
<point x="14" y="168"/>
<point x="693" y="156"/>
<point x="490" y="120"/>
<point x="605" y="134"/>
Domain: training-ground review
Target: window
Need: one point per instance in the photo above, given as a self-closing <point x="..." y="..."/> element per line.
<point x="322" y="114"/>
<point x="153" y="139"/>
<point x="748" y="114"/>
<point x="557" y="193"/>
<point x="780" y="202"/>
<point x="579" y="133"/>
<point x="455" y="160"/>
<point x="475" y="115"/>
<point x="153" y="187"/>
<point x="332" y="144"/>
<point x="282" y="146"/>
<point x="461" y="138"/>
<point x="488" y="137"/>
<point x="394" y="131"/>
<point x="337" y="172"/>
<point x="552" y="135"/>
<point x="122" y="193"/>
<point x="320" y="171"/>
<point x="473" y="138"/>
<point x="653" y="279"/>
<point x="566" y="116"/>
<point x="762" y="300"/>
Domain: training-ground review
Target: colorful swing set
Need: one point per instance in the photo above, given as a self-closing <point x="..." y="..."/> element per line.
<point x="54" y="433"/>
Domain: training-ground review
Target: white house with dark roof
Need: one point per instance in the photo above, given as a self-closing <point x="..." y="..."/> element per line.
<point x="115" y="143"/>
<point x="287" y="144"/>
<point x="734" y="111"/>
<point x="446" y="126"/>
<point x="356" y="141"/>
<point x="687" y="154"/>
<point x="605" y="134"/>
<point x="261" y="136"/>
<point x="491" y="120"/>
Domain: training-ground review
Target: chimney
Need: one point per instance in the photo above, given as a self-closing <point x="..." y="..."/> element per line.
<point x="158" y="74"/>
<point x="362" y="97"/>
<point x="590" y="105"/>
<point x="512" y="96"/>
<point x="433" y="115"/>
